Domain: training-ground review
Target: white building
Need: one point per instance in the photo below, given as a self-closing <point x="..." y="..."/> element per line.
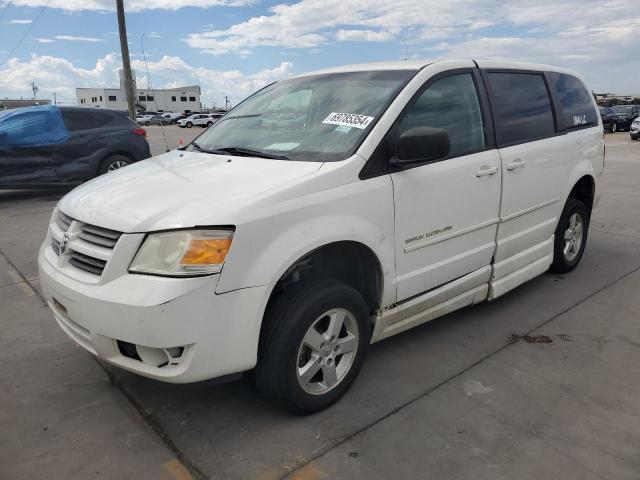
<point x="181" y="99"/>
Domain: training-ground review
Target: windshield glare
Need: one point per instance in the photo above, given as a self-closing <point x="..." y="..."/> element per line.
<point x="622" y="108"/>
<point x="297" y="118"/>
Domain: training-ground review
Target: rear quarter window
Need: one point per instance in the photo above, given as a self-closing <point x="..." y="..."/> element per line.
<point x="575" y="102"/>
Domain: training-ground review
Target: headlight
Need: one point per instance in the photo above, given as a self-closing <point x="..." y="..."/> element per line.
<point x="183" y="252"/>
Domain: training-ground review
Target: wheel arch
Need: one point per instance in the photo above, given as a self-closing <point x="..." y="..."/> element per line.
<point x="347" y="260"/>
<point x="584" y="189"/>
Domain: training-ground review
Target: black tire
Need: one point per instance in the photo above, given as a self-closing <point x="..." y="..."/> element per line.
<point x="562" y="262"/>
<point x="209" y="124"/>
<point x="113" y="162"/>
<point x="285" y="324"/>
<point x="147" y="124"/>
<point x="189" y="124"/>
<point x="613" y="128"/>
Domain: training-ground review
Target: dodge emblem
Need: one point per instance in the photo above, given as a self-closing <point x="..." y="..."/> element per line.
<point x="64" y="244"/>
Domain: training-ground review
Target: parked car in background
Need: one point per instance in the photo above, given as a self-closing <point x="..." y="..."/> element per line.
<point x="171" y="117"/>
<point x="50" y="145"/>
<point x="408" y="190"/>
<point x="634" y="131"/>
<point x="626" y="114"/>
<point x="152" y="120"/>
<point x="198" y="119"/>
<point x="609" y="119"/>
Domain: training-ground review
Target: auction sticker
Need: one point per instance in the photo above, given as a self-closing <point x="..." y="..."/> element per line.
<point x="348" y="120"/>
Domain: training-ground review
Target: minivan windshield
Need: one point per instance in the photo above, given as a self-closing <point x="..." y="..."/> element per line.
<point x="315" y="118"/>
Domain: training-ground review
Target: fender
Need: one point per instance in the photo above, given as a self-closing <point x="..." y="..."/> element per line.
<point x="265" y="248"/>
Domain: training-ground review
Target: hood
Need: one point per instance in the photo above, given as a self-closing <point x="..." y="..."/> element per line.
<point x="180" y="189"/>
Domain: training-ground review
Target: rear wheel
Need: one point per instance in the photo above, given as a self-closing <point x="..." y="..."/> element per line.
<point x="209" y="124"/>
<point x="147" y="124"/>
<point x="613" y="128"/>
<point x="570" y="236"/>
<point x="114" y="162"/>
<point x="312" y="346"/>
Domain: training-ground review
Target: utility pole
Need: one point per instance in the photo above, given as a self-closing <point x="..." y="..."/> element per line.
<point x="126" y="63"/>
<point x="55" y="100"/>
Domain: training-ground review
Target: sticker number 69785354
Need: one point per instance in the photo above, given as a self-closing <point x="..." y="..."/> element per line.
<point x="348" y="120"/>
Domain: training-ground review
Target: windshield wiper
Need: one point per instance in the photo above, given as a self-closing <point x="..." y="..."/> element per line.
<point x="205" y="150"/>
<point x="248" y="152"/>
<point x="240" y="152"/>
<point x="232" y="117"/>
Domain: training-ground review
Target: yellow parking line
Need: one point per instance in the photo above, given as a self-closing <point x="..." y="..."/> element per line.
<point x="177" y="470"/>
<point x="308" y="472"/>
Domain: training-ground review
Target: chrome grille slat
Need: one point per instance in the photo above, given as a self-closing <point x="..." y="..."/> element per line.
<point x="87" y="263"/>
<point x="63" y="221"/>
<point x="97" y="239"/>
<point x="102" y="232"/>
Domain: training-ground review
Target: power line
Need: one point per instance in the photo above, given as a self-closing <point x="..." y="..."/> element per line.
<point x="33" y="24"/>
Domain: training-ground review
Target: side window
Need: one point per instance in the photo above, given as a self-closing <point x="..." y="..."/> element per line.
<point x="451" y="104"/>
<point x="521" y="107"/>
<point x="82" y="120"/>
<point x="576" y="103"/>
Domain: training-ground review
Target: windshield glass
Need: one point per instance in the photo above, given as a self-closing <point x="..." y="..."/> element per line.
<point x="314" y="118"/>
<point x="622" y="108"/>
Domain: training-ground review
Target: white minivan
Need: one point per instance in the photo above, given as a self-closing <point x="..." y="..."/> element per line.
<point x="326" y="212"/>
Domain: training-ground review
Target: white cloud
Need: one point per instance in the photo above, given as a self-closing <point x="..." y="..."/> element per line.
<point x="54" y="74"/>
<point x="44" y="40"/>
<point x="72" y="38"/>
<point x="216" y="84"/>
<point x="594" y="37"/>
<point x="19" y="21"/>
<point x="131" y="5"/>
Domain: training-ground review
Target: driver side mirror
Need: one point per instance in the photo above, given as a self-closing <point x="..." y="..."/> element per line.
<point x="422" y="144"/>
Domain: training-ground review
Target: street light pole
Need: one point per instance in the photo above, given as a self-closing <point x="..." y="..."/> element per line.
<point x="126" y="63"/>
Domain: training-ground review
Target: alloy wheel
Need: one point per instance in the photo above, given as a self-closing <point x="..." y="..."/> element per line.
<point x="573" y="237"/>
<point x="327" y="351"/>
<point x="116" y="165"/>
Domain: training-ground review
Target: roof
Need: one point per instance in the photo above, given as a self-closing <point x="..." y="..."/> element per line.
<point x="14" y="103"/>
<point x="419" y="64"/>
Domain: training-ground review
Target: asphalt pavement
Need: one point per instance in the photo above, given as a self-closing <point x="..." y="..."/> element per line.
<point x="542" y="383"/>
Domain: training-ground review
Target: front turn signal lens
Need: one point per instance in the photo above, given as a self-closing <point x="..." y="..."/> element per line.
<point x="183" y="252"/>
<point x="206" y="252"/>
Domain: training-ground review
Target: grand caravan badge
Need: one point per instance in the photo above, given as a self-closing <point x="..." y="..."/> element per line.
<point x="348" y="120"/>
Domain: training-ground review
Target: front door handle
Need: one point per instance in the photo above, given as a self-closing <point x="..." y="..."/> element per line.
<point x="516" y="164"/>
<point x="486" y="170"/>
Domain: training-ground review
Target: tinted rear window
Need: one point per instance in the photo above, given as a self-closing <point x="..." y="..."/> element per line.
<point x="522" y="108"/>
<point x="76" y="120"/>
<point x="576" y="104"/>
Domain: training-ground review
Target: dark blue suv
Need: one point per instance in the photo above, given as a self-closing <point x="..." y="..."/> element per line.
<point x="49" y="145"/>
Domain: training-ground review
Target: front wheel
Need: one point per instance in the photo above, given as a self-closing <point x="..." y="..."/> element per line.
<point x="570" y="236"/>
<point x="614" y="128"/>
<point x="312" y="346"/>
<point x="209" y="124"/>
<point x="189" y="124"/>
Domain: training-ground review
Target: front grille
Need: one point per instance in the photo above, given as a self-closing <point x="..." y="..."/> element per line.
<point x="90" y="247"/>
<point x="99" y="236"/>
<point x="87" y="263"/>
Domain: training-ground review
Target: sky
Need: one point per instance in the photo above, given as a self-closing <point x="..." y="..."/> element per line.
<point x="233" y="47"/>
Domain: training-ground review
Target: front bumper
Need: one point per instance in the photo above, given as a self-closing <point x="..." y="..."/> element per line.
<point x="216" y="335"/>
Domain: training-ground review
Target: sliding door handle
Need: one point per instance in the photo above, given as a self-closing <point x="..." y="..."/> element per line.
<point x="516" y="164"/>
<point x="486" y="170"/>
